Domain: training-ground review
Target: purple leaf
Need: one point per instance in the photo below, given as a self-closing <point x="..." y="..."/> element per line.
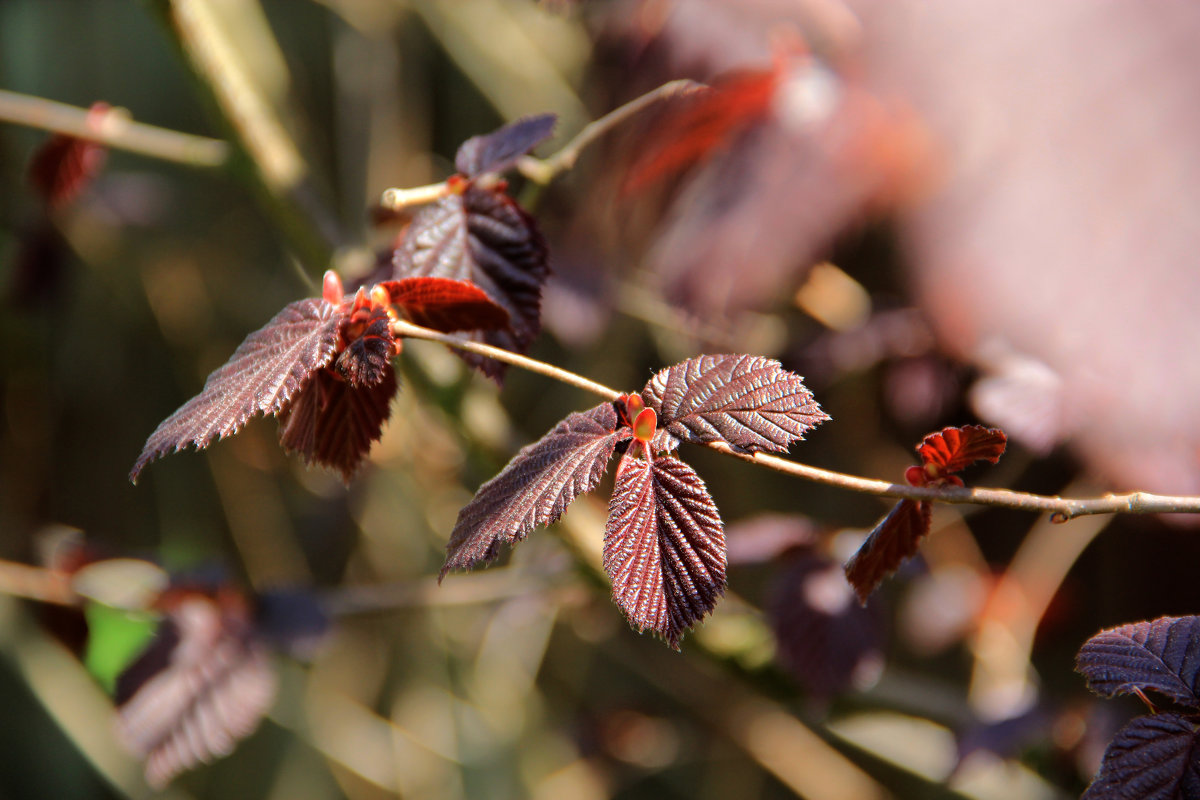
<point x="1152" y="758"/>
<point x="536" y="487"/>
<point x="748" y="402"/>
<point x="203" y="684"/>
<point x="498" y="150"/>
<point x="368" y="356"/>
<point x="825" y="639"/>
<point x="482" y="236"/>
<point x="261" y="376"/>
<point x="664" y="546"/>
<point x="894" y="541"/>
<point x="332" y="422"/>
<point x="1162" y="655"/>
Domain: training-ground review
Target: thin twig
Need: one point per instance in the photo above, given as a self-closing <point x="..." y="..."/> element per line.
<point x="398" y="199"/>
<point x="36" y="583"/>
<point x="545" y="170"/>
<point x="116" y="129"/>
<point x="403" y="328"/>
<point x="1061" y="508"/>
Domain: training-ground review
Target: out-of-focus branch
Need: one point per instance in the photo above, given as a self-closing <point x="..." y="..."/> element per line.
<point x="115" y="129"/>
<point x="545" y="170"/>
<point x="279" y="169"/>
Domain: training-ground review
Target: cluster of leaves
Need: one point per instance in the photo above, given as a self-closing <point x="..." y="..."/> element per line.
<point x="187" y="661"/>
<point x="473" y="261"/>
<point x="898" y="535"/>
<point x="664" y="544"/>
<point x="1154" y="757"/>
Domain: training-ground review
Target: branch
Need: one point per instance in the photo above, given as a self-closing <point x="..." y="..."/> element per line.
<point x="36" y="583"/>
<point x="1061" y="509"/>
<point x="545" y="170"/>
<point x="114" y="129"/>
<point x="403" y="328"/>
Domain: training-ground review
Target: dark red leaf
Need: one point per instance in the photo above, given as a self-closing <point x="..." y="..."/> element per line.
<point x="1162" y="655"/>
<point x="262" y="375"/>
<point x="333" y="423"/>
<point x="664" y="546"/>
<point x="64" y="165"/>
<point x="1152" y="758"/>
<point x="484" y="237"/>
<point x="894" y="540"/>
<point x="536" y="487"/>
<point x="953" y="449"/>
<point x="701" y="123"/>
<point x="202" y="685"/>
<point x="824" y="638"/>
<point x="367" y="358"/>
<point x="748" y="402"/>
<point x="446" y="305"/>
<point x="498" y="150"/>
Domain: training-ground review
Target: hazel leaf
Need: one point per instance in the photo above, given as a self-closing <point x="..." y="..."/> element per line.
<point x="1152" y="758"/>
<point x="664" y="546"/>
<point x="894" y="541"/>
<point x="333" y="422"/>
<point x="748" y="402"/>
<point x="951" y="450"/>
<point x="446" y="305"/>
<point x="484" y="237"/>
<point x="1162" y="655"/>
<point x="262" y="376"/>
<point x="499" y="150"/>
<point x="535" y="487"/>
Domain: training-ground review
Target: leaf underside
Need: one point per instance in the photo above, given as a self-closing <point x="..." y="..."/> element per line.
<point x="203" y="685"/>
<point x="333" y="423"/>
<point x="446" y="305"/>
<point x="954" y="449"/>
<point x="499" y="150"/>
<point x="748" y="402"/>
<point x="894" y="541"/>
<point x="535" y="487"/>
<point x="261" y="376"/>
<point x="484" y="237"/>
<point x="1162" y="655"/>
<point x="664" y="546"/>
<point x="1152" y="758"/>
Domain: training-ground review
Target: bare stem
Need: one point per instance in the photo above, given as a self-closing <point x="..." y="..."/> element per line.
<point x="545" y="170"/>
<point x="36" y="583"/>
<point x="1061" y="509"/>
<point x="403" y="328"/>
<point x="116" y="129"/>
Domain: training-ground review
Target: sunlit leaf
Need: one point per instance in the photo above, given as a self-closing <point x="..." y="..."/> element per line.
<point x="536" y="487"/>
<point x="748" y="402"/>
<point x="498" y="150"/>
<point x="894" y="541"/>
<point x="261" y="376"/>
<point x="1162" y="655"/>
<point x="333" y="423"/>
<point x="664" y="546"/>
<point x="953" y="449"/>
<point x="482" y="236"/>
<point x="1152" y="758"/>
<point x="367" y="358"/>
<point x="446" y="305"/>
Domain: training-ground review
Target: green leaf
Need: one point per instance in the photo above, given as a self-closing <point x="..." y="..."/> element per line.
<point x="116" y="637"/>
